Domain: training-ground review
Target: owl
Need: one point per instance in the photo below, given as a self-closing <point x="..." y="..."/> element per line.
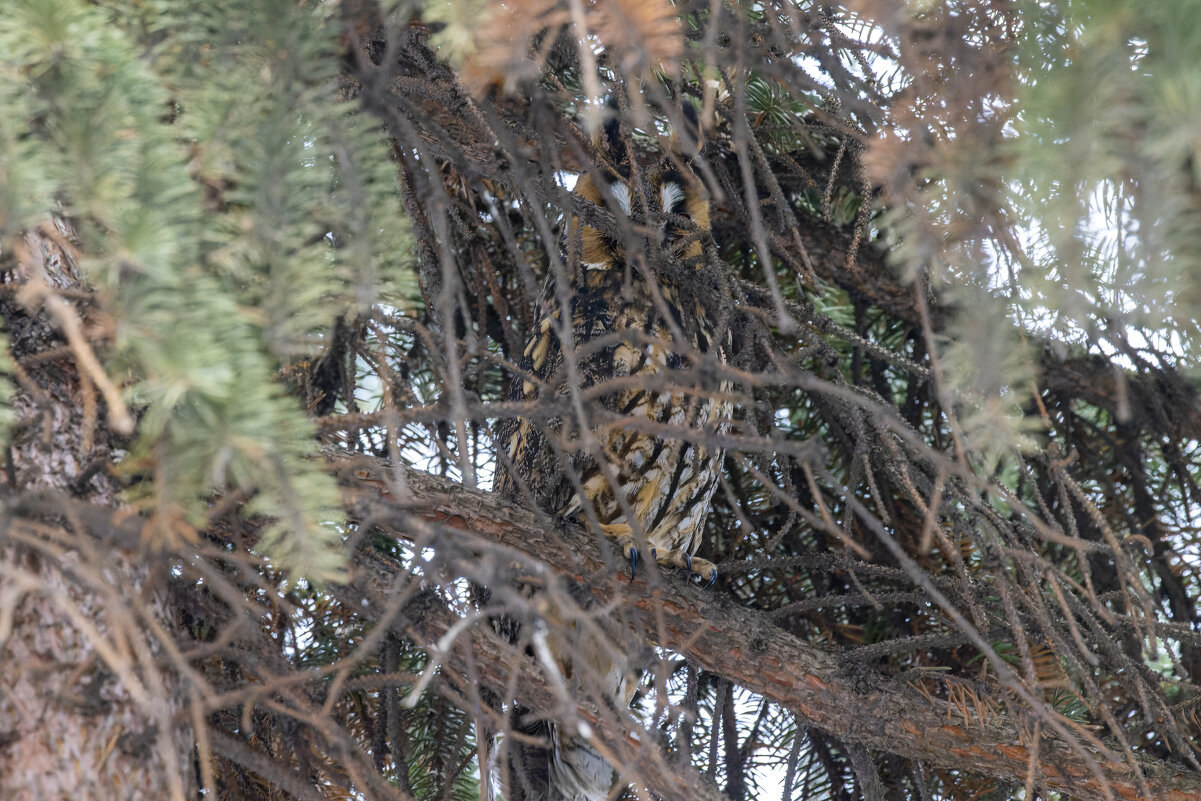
<point x="623" y="355"/>
<point x="635" y="332"/>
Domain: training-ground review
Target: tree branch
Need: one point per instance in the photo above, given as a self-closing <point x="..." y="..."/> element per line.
<point x="875" y="711"/>
<point x="493" y="661"/>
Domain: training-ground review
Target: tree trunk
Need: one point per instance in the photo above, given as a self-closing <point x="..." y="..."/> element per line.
<point x="85" y="709"/>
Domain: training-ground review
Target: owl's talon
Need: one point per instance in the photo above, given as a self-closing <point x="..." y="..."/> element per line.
<point x="688" y="565"/>
<point x="702" y="569"/>
<point x="621" y="534"/>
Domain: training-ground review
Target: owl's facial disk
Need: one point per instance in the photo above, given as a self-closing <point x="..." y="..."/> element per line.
<point x="678" y="213"/>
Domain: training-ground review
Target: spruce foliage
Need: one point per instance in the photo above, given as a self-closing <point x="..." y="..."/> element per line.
<point x="228" y="210"/>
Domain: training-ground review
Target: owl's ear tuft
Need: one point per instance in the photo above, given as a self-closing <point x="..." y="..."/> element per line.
<point x="692" y="122"/>
<point x="686" y="139"/>
<point x="613" y="142"/>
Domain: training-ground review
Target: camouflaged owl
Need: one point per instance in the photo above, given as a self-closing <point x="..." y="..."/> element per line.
<point x="622" y="355"/>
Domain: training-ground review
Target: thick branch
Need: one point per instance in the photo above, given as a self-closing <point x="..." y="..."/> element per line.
<point x="871" y="710"/>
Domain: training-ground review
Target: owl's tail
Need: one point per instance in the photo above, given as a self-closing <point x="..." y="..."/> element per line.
<point x="545" y="760"/>
<point x="578" y="772"/>
<point x="557" y="767"/>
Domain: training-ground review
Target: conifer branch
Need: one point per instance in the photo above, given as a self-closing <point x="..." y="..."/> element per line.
<point x="833" y="693"/>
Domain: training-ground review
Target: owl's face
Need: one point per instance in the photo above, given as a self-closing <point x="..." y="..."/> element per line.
<point x="671" y="208"/>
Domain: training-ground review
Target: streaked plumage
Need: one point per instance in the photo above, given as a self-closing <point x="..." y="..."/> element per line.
<point x="656" y="474"/>
<point x="643" y="468"/>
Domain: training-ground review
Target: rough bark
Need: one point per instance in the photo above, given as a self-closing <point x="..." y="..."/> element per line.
<point x="85" y="711"/>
